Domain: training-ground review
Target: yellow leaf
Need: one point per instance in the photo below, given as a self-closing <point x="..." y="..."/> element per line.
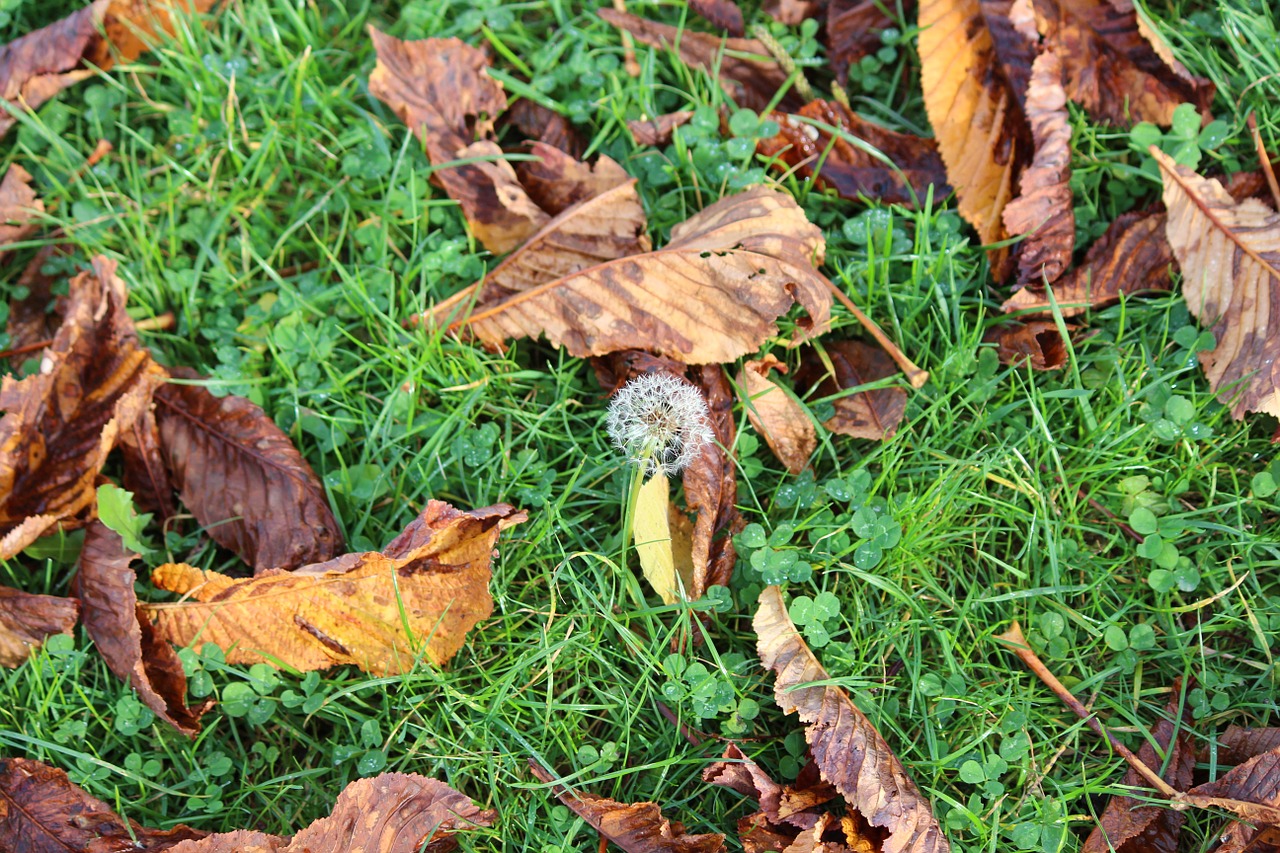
<point x="651" y="527"/>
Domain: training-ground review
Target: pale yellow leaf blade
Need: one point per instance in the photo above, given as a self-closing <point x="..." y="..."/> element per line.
<point x="651" y="528"/>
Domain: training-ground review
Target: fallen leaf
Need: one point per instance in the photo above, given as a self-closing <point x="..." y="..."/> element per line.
<point x="95" y="380"/>
<point x="1133" y="256"/>
<point x="854" y="28"/>
<point x="709" y="296"/>
<point x="848" y="750"/>
<point x="33" y="321"/>
<point x="432" y="581"/>
<point x="1127" y="825"/>
<point x="1229" y="253"/>
<point x="41" y="64"/>
<point x="635" y="827"/>
<point x="723" y="14"/>
<point x="800" y="147"/>
<point x="26" y="620"/>
<point x="19" y="205"/>
<point x="557" y="181"/>
<point x="146" y="474"/>
<point x="1036" y="341"/>
<point x="792" y="805"/>
<point x="659" y="129"/>
<point x="655" y="545"/>
<point x="439" y="88"/>
<point x="1237" y="745"/>
<point x="875" y="413"/>
<point x="791" y="12"/>
<point x="745" y="67"/>
<point x="1251" y="792"/>
<point x="1043" y="212"/>
<point x="776" y="415"/>
<point x="1113" y="69"/>
<point x="389" y="813"/>
<point x="41" y="811"/>
<point x="128" y="644"/>
<point x="242" y="478"/>
<point x="974" y="69"/>
<point x="537" y="122"/>
<point x="711" y="488"/>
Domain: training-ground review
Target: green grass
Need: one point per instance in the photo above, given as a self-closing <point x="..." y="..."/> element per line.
<point x="286" y="220"/>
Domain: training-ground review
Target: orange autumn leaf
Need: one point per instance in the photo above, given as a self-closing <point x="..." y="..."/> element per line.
<point x="776" y="415"/>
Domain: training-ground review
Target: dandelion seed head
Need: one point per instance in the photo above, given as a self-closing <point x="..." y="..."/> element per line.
<point x="659" y="421"/>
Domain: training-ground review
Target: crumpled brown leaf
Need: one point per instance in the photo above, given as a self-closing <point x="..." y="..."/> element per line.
<point x="723" y="14"/>
<point x="33" y="320"/>
<point x="785" y="810"/>
<point x="709" y="296"/>
<point x="104" y="586"/>
<point x="777" y="416"/>
<point x="635" y="827"/>
<point x="874" y="414"/>
<point x="851" y="171"/>
<point x="1250" y="791"/>
<point x="242" y="478"/>
<point x="41" y="811"/>
<point x="1237" y="744"/>
<point x="537" y="122"/>
<point x="1037" y="342"/>
<point x="95" y="381"/>
<point x="27" y="619"/>
<point x="1229" y="253"/>
<point x="390" y="813"/>
<point x="854" y="28"/>
<point x="432" y="580"/>
<point x="659" y="129"/>
<point x="19" y="205"/>
<point x="557" y="181"/>
<point x="848" y="750"/>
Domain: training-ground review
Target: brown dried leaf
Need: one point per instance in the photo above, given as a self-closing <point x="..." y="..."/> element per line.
<point x="710" y="296"/>
<point x="1037" y="341"/>
<point x="19" y="205"/>
<point x="145" y="471"/>
<point x="747" y="70"/>
<point x="433" y="580"/>
<point x="557" y="181"/>
<point x="874" y="414"/>
<point x="851" y="171"/>
<point x="1237" y="745"/>
<point x="104" y="585"/>
<point x="1112" y="68"/>
<point x="27" y="619"/>
<point x="776" y="415"/>
<point x="657" y="130"/>
<point x="1133" y="256"/>
<point x="41" y="64"/>
<point x="723" y="14"/>
<point x="794" y="805"/>
<point x="95" y="381"/>
<point x="849" y="752"/>
<point x="791" y="12"/>
<point x="537" y="122"/>
<point x="1229" y="253"/>
<point x="635" y="827"/>
<point x="853" y="30"/>
<point x="711" y="487"/>
<point x="1043" y="212"/>
<point x="974" y="69"/>
<point x="1250" y="791"/>
<point x="33" y="321"/>
<point x="243" y="479"/>
<point x="440" y="90"/>
<point x="41" y="811"/>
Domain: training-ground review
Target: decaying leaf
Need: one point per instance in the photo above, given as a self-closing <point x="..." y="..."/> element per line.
<point x="791" y="12"/>
<point x="432" y="580"/>
<point x="657" y="130"/>
<point x="95" y="380"/>
<point x="242" y="478"/>
<point x="709" y="296"/>
<point x="723" y="14"/>
<point x="1229" y="253"/>
<point x="41" y="811"/>
<point x="439" y="88"/>
<point x="711" y="488"/>
<point x="33" y="320"/>
<point x="854" y="28"/>
<point x="1043" y="212"/>
<point x="1113" y="68"/>
<point x="1237" y="745"/>
<point x="1133" y="256"/>
<point x="747" y="71"/>
<point x="1251" y="792"/>
<point x="390" y="813"/>
<point x="655" y="543"/>
<point x="27" y="619"/>
<point x="848" y="750"/>
<point x="776" y="415"/>
<point x="785" y="810"/>
<point x="635" y="827"/>
<point x="875" y="413"/>
<point x="104" y="586"/>
<point x="557" y="181"/>
<point x="537" y="122"/>
<point x="850" y="170"/>
<point x="19" y="205"/>
<point x="1037" y="342"/>
<point x="41" y="64"/>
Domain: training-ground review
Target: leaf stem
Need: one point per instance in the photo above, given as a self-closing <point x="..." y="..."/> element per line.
<point x="915" y="375"/>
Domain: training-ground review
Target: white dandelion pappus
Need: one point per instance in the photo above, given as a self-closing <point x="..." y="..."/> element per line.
<point x="659" y="421"/>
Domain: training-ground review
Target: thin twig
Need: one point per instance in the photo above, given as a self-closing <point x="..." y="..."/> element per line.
<point x="1264" y="160"/>
<point x="915" y="375"/>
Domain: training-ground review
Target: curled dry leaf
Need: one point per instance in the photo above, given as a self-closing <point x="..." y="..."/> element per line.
<point x="1229" y="253"/>
<point x="854" y="28"/>
<point x="1133" y="256"/>
<point x="635" y="827"/>
<point x="1237" y="745"/>
<point x="711" y="488"/>
<point x="95" y="380"/>
<point x="104" y="586"/>
<point x="27" y="619"/>
<point x="875" y="413"/>
<point x="242" y="478"/>
<point x="19" y="205"/>
<point x="659" y="129"/>
<point x="33" y="320"/>
<point x="848" y="750"/>
<point x="41" y="811"/>
<point x="557" y="181"/>
<point x="1113" y="68"/>
<point x="1043" y="212"/>
<point x="537" y="122"/>
<point x="709" y="296"/>
<point x="723" y="14"/>
<point x="390" y="813"/>
<point x="747" y="71"/>
<point x="432" y="581"/>
<point x="1252" y="793"/>
<point x="849" y="170"/>
<point x="784" y="809"/>
<point x="791" y="12"/>
<point x="1037" y="342"/>
<point x="776" y="415"/>
<point x="439" y="88"/>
